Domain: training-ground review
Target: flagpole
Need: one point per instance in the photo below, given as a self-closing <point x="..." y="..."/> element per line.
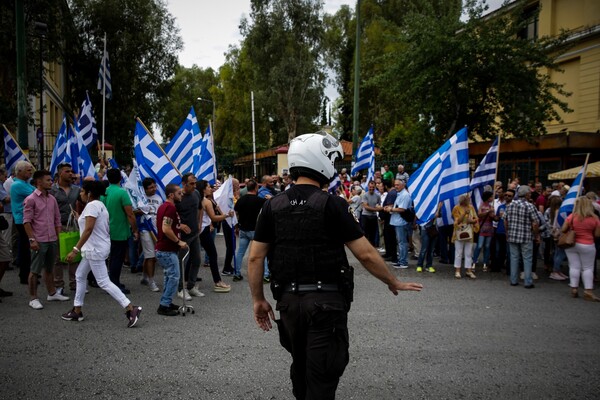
<point x="103" y="95"/>
<point x="159" y="146"/>
<point x="212" y="144"/>
<point x="584" y="174"/>
<point x="497" y="159"/>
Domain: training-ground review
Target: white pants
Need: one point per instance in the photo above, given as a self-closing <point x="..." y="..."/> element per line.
<point x="98" y="267"/>
<point x="581" y="264"/>
<point x="463" y="248"/>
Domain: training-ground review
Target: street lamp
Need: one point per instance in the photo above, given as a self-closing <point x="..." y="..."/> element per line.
<point x="213" y="112"/>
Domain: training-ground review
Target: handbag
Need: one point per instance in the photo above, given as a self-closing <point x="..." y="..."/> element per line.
<point x="567" y="239"/>
<point x="68" y="239"/>
<point x="464" y="232"/>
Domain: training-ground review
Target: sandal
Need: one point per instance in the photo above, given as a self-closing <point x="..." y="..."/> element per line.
<point x="222" y="287"/>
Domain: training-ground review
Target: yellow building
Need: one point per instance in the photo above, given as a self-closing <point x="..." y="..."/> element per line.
<point x="578" y="133"/>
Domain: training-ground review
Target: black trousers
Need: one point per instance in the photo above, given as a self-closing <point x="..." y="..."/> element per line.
<point x="118" y="249"/>
<point x="229" y="236"/>
<point x="371" y="227"/>
<point x="313" y="327"/>
<point x="391" y="243"/>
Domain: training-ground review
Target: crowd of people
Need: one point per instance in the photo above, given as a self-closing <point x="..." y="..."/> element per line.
<point x="512" y="228"/>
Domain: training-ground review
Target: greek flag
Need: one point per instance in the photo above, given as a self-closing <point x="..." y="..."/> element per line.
<point x="566" y="208"/>
<point x="12" y="152"/>
<point x="443" y="176"/>
<point x="59" y="152"/>
<point x="104" y="75"/>
<point x="365" y="156"/>
<point x="113" y="163"/>
<point x="207" y="159"/>
<point x="485" y="174"/>
<point x="82" y="164"/>
<point x="184" y="148"/>
<point x="152" y="162"/>
<point x="335" y="182"/>
<point x="86" y="124"/>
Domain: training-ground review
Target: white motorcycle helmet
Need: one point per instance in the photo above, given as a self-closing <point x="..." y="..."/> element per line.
<point x="312" y="155"/>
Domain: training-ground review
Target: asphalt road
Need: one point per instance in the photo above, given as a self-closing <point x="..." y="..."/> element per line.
<point x="457" y="339"/>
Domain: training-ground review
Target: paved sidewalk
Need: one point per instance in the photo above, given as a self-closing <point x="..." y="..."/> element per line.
<point x="468" y="339"/>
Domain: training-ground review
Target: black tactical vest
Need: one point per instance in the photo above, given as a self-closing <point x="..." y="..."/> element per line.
<point x="303" y="252"/>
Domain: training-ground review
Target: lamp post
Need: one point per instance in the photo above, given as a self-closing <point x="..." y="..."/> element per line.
<point x="213" y="112"/>
<point x="41" y="29"/>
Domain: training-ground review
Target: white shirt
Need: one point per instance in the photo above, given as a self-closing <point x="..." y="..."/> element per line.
<point x="97" y="247"/>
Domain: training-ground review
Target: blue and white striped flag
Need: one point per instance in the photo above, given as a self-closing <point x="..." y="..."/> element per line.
<point x="335" y="182"/>
<point x="184" y="148"/>
<point x="207" y="170"/>
<point x="566" y="208"/>
<point x="104" y="75"/>
<point x="72" y="153"/>
<point x="485" y="174"/>
<point x="365" y="157"/>
<point x="60" y="147"/>
<point x="443" y="176"/>
<point x="86" y="123"/>
<point x="152" y="162"/>
<point x="85" y="165"/>
<point x="12" y="152"/>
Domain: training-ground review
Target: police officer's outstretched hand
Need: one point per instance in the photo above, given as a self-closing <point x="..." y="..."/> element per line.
<point x="263" y="314"/>
<point x="396" y="286"/>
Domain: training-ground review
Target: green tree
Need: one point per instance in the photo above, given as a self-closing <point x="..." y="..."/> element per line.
<point x="143" y="42"/>
<point x="182" y="91"/>
<point x="283" y="41"/>
<point x="57" y="42"/>
<point x="480" y="73"/>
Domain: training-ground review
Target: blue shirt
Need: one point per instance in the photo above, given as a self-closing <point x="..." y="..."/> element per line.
<point x="403" y="201"/>
<point x="18" y="191"/>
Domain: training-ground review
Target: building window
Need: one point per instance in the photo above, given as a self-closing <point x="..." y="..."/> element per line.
<point x="531" y="16"/>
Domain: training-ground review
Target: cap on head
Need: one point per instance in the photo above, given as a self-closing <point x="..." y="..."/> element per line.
<point x="313" y="155"/>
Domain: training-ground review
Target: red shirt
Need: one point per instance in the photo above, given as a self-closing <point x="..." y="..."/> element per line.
<point x="584" y="229"/>
<point x="163" y="243"/>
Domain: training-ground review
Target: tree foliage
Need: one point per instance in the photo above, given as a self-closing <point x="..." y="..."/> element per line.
<point x="143" y="42"/>
<point x="182" y="91"/>
<point x="283" y="41"/>
<point x="435" y="66"/>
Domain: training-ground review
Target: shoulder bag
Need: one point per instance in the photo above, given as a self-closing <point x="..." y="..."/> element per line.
<point x="567" y="239"/>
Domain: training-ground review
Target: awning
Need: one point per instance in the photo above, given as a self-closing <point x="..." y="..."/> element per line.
<point x="593" y="171"/>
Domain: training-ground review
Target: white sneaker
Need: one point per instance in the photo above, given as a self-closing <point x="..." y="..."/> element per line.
<point x="153" y="286"/>
<point x="534" y="276"/>
<point x="195" y="292"/>
<point x="522" y="275"/>
<point x="57" y="297"/>
<point x="35" y="304"/>
<point x="181" y="293"/>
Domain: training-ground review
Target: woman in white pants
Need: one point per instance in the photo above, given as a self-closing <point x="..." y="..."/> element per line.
<point x="465" y="221"/>
<point x="94" y="246"/>
<point x="581" y="256"/>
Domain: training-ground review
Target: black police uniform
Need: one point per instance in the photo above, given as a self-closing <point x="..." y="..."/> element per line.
<point x="306" y="229"/>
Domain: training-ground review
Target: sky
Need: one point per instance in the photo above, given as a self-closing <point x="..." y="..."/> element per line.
<point x="209" y="27"/>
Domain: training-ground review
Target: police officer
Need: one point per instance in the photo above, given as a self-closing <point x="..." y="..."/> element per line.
<point x="303" y="231"/>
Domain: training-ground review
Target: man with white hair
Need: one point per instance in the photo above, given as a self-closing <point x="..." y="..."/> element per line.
<point x="19" y="190"/>
<point x="402" y="175"/>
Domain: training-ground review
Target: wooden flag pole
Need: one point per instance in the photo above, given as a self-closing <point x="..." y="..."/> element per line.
<point x="584" y="174"/>
<point x="161" y="149"/>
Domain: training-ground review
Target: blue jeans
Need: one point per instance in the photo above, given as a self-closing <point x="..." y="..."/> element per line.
<point x="559" y="257"/>
<point x="427" y="245"/>
<point x="169" y="261"/>
<point x="518" y="250"/>
<point x="402" y="237"/>
<point x="245" y="238"/>
<point x="485" y="242"/>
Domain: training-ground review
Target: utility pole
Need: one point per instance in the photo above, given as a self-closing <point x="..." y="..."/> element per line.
<point x="356" y="82"/>
<point x="21" y="79"/>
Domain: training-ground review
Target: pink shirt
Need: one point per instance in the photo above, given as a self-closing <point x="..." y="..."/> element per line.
<point x="584" y="230"/>
<point x="41" y="211"/>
